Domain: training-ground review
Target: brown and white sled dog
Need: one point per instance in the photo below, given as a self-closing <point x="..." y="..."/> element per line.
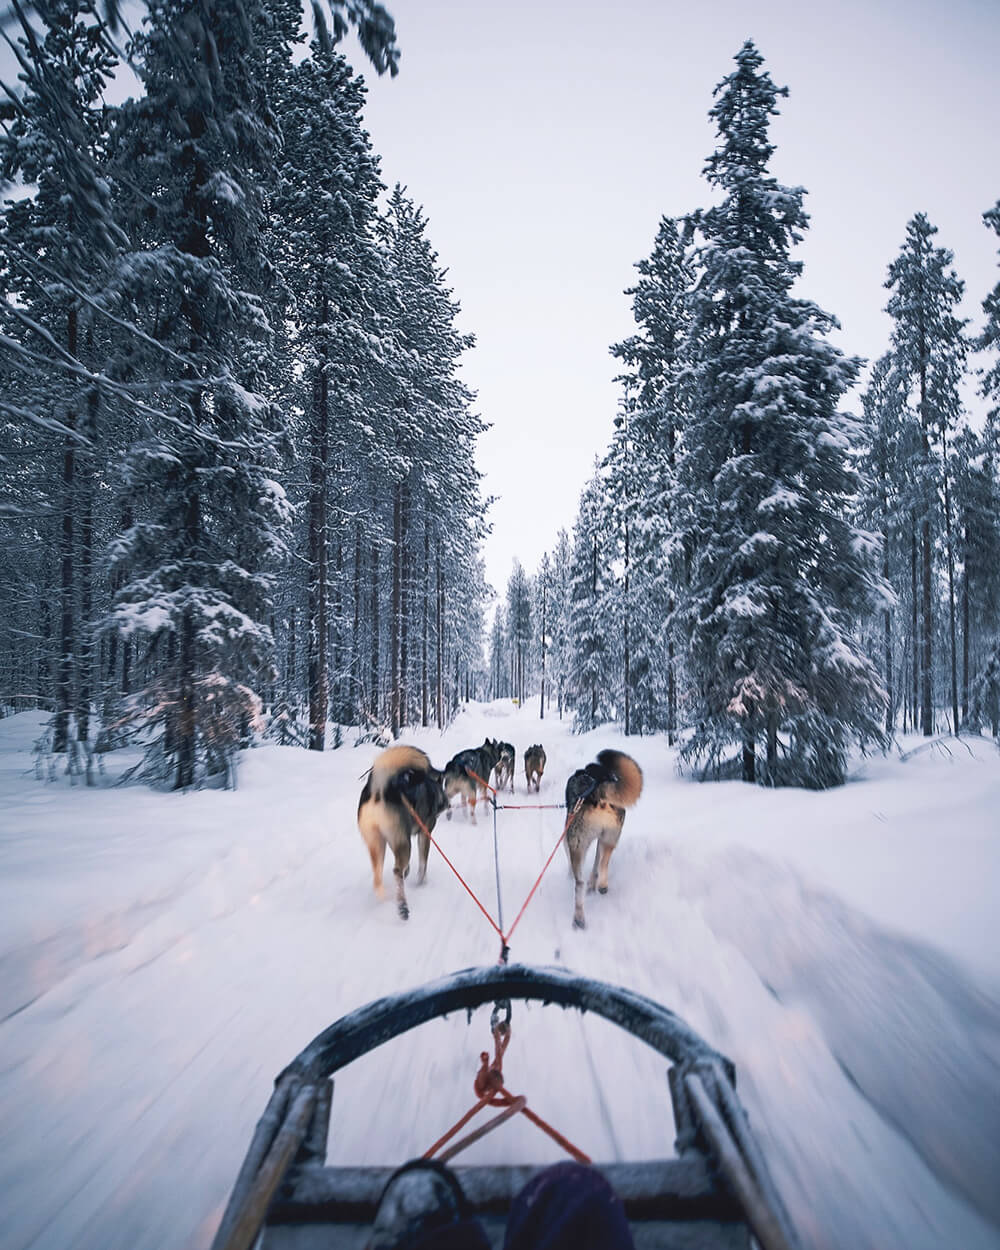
<point x="467" y="773"/>
<point x="599" y="793"/>
<point x="534" y="765"/>
<point x="384" y="819"/>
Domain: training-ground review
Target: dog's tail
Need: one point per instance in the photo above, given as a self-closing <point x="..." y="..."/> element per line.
<point x="626" y="784"/>
<point x="394" y="761"/>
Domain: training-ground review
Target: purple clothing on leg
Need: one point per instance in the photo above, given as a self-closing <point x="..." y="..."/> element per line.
<point x="568" y="1207"/>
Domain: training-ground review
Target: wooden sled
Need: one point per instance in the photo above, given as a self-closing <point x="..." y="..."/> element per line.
<point x="715" y="1193"/>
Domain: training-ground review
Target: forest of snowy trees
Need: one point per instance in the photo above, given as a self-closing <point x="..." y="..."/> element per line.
<point x="237" y="451"/>
<point x="238" y="493"/>
<point x="753" y="571"/>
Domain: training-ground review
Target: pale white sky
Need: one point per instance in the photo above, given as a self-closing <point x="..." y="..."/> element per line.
<point x="545" y="138"/>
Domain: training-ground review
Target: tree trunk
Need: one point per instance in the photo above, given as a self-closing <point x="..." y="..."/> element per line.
<point x="186" y="725"/>
<point x="65" y="668"/>
<point x="425" y="596"/>
<point x="397" y="529"/>
<point x="317" y="637"/>
<point x="376" y="630"/>
<point x="439" y="637"/>
<point x="955" y="723"/>
<point x="356" y="633"/>
<point x="541" y="700"/>
<point x="404" y="605"/>
<point x="749" y="753"/>
<point x="965" y="627"/>
<point x="915" y="633"/>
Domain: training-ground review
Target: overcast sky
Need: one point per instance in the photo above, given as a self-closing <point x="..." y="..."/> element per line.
<point x="546" y="138"/>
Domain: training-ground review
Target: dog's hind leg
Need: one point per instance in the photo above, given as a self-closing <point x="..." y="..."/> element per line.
<point x="577" y="853"/>
<point x="400" y="869"/>
<point x="377" y="851"/>
<point x="423" y="850"/>
<point x="601" y="861"/>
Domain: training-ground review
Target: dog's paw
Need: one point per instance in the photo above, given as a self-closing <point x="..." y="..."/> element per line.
<point x="602" y="889"/>
<point x="404" y="912"/>
<point x="579" y="922"/>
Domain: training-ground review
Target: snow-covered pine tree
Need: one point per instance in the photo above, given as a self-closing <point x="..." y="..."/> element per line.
<point x="521" y="629"/>
<point x="891" y="440"/>
<point x="976" y="502"/>
<point x="929" y="351"/>
<point x="654" y="401"/>
<point x="209" y="515"/>
<point x="560" y="650"/>
<point x="594" y="666"/>
<point x="54" y="249"/>
<point x="324" y="207"/>
<point x="427" y="434"/>
<point x="778" y="571"/>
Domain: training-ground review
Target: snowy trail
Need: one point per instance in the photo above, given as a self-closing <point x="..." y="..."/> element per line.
<point x="180" y="950"/>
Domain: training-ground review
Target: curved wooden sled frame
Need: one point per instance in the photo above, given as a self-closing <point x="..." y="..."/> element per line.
<point x="719" y="1181"/>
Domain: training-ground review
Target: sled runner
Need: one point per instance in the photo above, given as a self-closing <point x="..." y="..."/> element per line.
<point x="715" y="1193"/>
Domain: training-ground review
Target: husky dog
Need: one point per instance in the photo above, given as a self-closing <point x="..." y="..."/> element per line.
<point x="459" y="778"/>
<point x="596" y="797"/>
<point x="534" y="765"/>
<point x="505" y="766"/>
<point x="385" y="820"/>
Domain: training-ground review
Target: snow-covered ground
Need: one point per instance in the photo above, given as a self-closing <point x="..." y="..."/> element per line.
<point x="163" y="956"/>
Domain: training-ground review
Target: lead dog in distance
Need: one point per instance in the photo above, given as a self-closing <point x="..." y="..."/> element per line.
<point x="596" y="798"/>
<point x="385" y="820"/>
<point x="468" y="772"/>
<point x="534" y="765"/>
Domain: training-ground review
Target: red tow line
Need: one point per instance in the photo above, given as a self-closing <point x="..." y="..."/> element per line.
<point x="504" y="937"/>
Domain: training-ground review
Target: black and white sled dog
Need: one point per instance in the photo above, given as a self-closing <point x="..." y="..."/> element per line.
<point x="597" y="797"/>
<point x="505" y="766"/>
<point x="534" y="765"/>
<point x="385" y="820"/>
<point x="468" y="772"/>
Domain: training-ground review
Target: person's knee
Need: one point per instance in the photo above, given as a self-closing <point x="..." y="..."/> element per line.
<point x="568" y="1206"/>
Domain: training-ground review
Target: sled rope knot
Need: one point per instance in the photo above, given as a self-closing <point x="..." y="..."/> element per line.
<point x="491" y="1092"/>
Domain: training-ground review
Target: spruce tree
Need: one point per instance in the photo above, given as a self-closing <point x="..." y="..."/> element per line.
<point x="201" y="483"/>
<point x="778" y="571"/>
<point x="929" y="351"/>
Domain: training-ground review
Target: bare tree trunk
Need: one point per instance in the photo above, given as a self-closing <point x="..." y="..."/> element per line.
<point x="439" y="637"/>
<point x="356" y="632"/>
<point x="318" y="638"/>
<point x="926" y="643"/>
<point x="915" y="634"/>
<point x="541" y="700"/>
<point x="186" y="723"/>
<point x="965" y="627"/>
<point x="376" y="630"/>
<point x="749" y="753"/>
<point x="66" y="665"/>
<point x="625" y="640"/>
<point x="404" y="605"/>
<point x="425" y="596"/>
<point x="397" y="530"/>
<point x="955" y="723"/>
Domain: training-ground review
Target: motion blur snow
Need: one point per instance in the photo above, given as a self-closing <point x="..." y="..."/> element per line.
<point x="163" y="956"/>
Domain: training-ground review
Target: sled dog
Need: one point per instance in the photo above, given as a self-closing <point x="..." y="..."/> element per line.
<point x="384" y="819"/>
<point x="459" y="778"/>
<point x="505" y="766"/>
<point x="596" y="797"/>
<point x="534" y="765"/>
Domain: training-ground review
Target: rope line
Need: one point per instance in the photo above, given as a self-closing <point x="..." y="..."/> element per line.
<point x="416" y="816"/>
<point x="504" y="937"/>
